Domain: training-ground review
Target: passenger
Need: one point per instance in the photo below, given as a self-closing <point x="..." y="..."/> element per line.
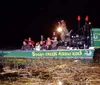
<point x="48" y="44"/>
<point x="31" y="47"/>
<point x="42" y="38"/>
<point x="25" y="46"/>
<point x="37" y="47"/>
<point x="42" y="45"/>
<point x="64" y="30"/>
<point x="54" y="43"/>
<point x="54" y="35"/>
<point x="30" y="41"/>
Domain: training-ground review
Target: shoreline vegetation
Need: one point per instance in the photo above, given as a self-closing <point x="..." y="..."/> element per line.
<point x="50" y="72"/>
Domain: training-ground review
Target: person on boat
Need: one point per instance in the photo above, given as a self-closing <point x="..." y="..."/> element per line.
<point x="64" y="27"/>
<point x="48" y="44"/>
<point x="37" y="47"/>
<point x="42" y="39"/>
<point x="54" y="35"/>
<point x="30" y="41"/>
<point x="31" y="46"/>
<point x="54" y="43"/>
<point x="64" y="30"/>
<point x="42" y="45"/>
<point x="25" y="46"/>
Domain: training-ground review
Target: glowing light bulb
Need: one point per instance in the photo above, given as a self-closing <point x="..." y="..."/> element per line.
<point x="59" y="29"/>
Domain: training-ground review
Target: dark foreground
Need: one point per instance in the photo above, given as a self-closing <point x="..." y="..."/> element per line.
<point x="50" y="72"/>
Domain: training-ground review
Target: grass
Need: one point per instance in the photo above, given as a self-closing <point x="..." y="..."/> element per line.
<point x="50" y="72"/>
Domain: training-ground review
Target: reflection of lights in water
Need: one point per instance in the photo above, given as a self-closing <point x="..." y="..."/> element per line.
<point x="59" y="29"/>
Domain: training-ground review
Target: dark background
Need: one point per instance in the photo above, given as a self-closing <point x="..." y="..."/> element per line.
<point x="23" y="19"/>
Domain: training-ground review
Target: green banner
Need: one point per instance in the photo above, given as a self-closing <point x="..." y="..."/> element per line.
<point x="83" y="53"/>
<point x="95" y="37"/>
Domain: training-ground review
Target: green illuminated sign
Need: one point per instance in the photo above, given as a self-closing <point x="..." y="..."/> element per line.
<point x="95" y="37"/>
<point x="50" y="53"/>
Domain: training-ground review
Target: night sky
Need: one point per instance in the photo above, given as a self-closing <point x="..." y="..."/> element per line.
<point x="23" y="19"/>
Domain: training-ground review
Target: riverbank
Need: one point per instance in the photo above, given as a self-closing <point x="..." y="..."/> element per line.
<point x="51" y="72"/>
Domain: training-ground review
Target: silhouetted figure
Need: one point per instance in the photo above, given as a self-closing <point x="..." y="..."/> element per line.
<point x="54" y="35"/>
<point x="42" y="38"/>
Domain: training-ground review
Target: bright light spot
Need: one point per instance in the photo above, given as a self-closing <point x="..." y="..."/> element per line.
<point x="59" y="29"/>
<point x="60" y="83"/>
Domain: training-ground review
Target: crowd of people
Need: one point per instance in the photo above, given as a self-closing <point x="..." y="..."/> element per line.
<point x="44" y="44"/>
